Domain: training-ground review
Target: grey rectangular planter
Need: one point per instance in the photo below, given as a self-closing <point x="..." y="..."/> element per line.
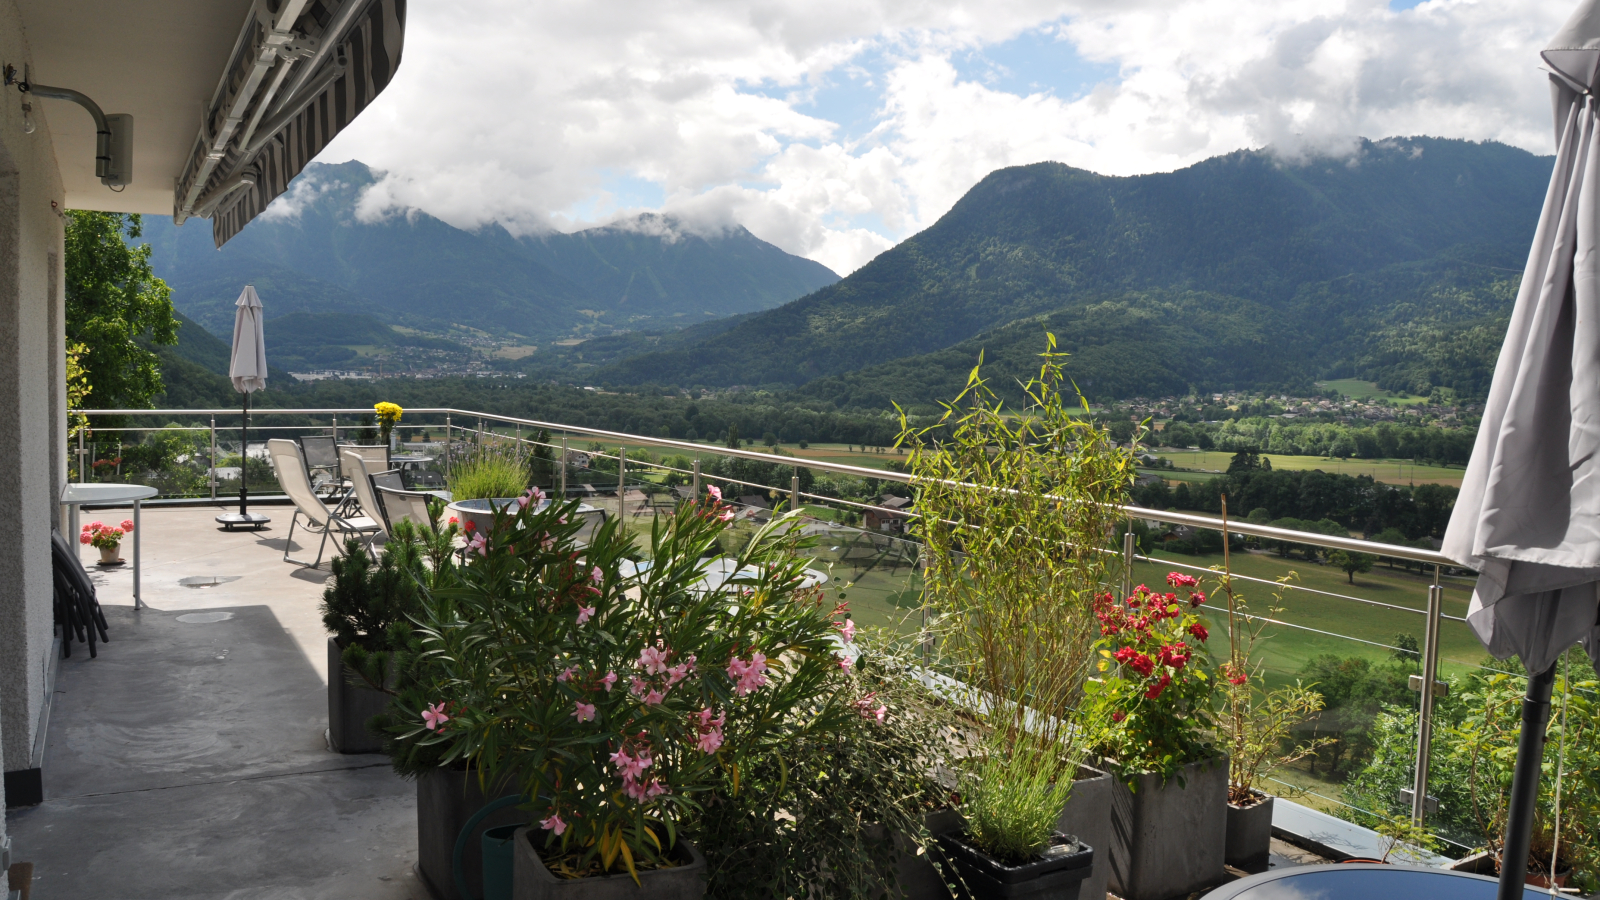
<point x="350" y="706"/>
<point x="1086" y="816"/>
<point x="530" y="880"/>
<point x="446" y="799"/>
<point x="1169" y="841"/>
<point x="1250" y="834"/>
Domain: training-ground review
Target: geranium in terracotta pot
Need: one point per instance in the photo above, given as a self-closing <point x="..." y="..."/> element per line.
<point x="107" y="539"/>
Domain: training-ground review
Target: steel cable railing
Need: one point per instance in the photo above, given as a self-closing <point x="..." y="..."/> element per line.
<point x="623" y="441"/>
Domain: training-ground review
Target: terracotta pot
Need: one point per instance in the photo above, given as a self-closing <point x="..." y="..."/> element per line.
<point x="532" y="881"/>
<point x="110" y="555"/>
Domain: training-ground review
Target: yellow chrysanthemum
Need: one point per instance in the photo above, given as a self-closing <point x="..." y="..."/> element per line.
<point x="388" y="413"/>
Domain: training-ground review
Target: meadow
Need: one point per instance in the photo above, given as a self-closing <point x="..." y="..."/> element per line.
<point x="1203" y="464"/>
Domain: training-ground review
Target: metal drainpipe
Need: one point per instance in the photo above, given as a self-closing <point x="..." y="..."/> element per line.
<point x="1430" y="668"/>
<point x="213" y="478"/>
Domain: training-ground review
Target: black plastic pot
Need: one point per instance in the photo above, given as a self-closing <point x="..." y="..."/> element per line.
<point x="1058" y="875"/>
<point x="1250" y="833"/>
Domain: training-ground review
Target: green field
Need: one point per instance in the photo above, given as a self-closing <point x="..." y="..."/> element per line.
<point x="1208" y="463"/>
<point x="1365" y="390"/>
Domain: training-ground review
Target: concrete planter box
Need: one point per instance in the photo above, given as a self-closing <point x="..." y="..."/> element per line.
<point x="1166" y="840"/>
<point x="1250" y="834"/>
<point x="1087" y="816"/>
<point x="446" y="799"/>
<point x="530" y="880"/>
<point x="350" y="706"/>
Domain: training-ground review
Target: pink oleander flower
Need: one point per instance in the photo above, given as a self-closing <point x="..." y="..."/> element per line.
<point x="434" y="716"/>
<point x="584" y="712"/>
<point x="654" y="698"/>
<point x="584" y="614"/>
<point x="126" y="526"/>
<point x="847" y="630"/>
<point x="597" y="576"/>
<point x="881" y="713"/>
<point x="655" y="789"/>
<point x="748" y="676"/>
<point x="631" y="767"/>
<point x="714" y="491"/>
<point x="608" y="681"/>
<point x="654" y="660"/>
<point x="845" y="662"/>
<point x="638" y="687"/>
<point x="553" y="823"/>
<point x="635" y="790"/>
<point x="479" y="543"/>
<point x="566" y="674"/>
<point x="710" y="731"/>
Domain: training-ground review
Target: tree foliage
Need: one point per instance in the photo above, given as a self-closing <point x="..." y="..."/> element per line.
<point x="113" y="298"/>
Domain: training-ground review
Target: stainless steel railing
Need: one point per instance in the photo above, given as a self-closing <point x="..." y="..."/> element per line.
<point x="1432" y="613"/>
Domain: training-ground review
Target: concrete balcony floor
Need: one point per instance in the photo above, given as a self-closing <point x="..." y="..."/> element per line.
<point x="188" y="760"/>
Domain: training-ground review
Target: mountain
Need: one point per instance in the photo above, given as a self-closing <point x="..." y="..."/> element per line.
<point x="312" y="253"/>
<point x="1241" y="249"/>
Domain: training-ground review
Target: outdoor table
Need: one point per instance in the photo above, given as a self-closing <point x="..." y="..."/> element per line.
<point x="409" y="460"/>
<point x="76" y="495"/>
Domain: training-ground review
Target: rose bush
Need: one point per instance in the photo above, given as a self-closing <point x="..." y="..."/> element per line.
<point x="620" y="691"/>
<point x="1156" y="691"/>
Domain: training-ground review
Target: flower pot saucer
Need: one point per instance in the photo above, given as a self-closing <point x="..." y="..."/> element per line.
<point x="104" y="564"/>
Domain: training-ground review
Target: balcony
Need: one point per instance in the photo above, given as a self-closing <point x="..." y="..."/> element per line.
<point x="197" y="736"/>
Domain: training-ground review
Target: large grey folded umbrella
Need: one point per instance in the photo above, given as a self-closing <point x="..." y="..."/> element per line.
<point x="1528" y="516"/>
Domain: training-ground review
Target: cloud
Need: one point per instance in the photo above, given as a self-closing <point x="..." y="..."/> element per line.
<point x="538" y="115"/>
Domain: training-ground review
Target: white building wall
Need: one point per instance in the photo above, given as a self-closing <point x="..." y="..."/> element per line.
<point x="31" y="394"/>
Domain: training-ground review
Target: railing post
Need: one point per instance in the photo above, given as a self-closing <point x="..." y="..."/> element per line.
<point x="447" y="442"/>
<point x="336" y="431"/>
<point x="794" y="491"/>
<point x="622" y="483"/>
<point x="82" y="452"/>
<point x="213" y="473"/>
<point x="1127" y="561"/>
<point x="696" y="494"/>
<point x="562" y="468"/>
<point x="1430" y="668"/>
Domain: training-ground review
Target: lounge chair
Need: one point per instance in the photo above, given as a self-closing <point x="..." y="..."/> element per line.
<point x="401" y="505"/>
<point x="365" y="484"/>
<point x="290" y="468"/>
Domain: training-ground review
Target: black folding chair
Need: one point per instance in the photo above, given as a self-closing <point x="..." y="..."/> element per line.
<point x="77" y="610"/>
<point x="321" y="454"/>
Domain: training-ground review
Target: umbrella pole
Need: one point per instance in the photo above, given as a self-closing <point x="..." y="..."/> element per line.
<point x="244" y="457"/>
<point x="1525" y="785"/>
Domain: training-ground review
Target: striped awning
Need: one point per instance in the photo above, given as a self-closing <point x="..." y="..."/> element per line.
<point x="288" y="90"/>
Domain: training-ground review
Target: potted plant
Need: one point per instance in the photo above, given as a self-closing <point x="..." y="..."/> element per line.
<point x="1009" y="846"/>
<point x="1172" y="784"/>
<point x="367" y="610"/>
<point x="106" y="539"/>
<point x="388" y="415"/>
<point x="1257" y="724"/>
<point x="1014" y="505"/>
<point x="620" y="702"/>
<point x="483" y="479"/>
<point x="1482" y="741"/>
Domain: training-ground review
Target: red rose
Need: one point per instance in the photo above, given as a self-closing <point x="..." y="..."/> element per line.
<point x="1155" y="689"/>
<point x="1179" y="579"/>
<point x="1199" y="631"/>
<point x="1118" y="716"/>
<point x="1196" y="598"/>
<point x="1174" y="655"/>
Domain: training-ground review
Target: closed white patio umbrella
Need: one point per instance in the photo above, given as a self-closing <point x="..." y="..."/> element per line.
<point x="1528" y="515"/>
<point x="248" y="371"/>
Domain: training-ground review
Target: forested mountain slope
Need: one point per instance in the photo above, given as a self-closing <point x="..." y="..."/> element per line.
<point x="1248" y="251"/>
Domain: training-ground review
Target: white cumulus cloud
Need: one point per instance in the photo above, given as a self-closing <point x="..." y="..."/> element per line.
<point x="565" y="115"/>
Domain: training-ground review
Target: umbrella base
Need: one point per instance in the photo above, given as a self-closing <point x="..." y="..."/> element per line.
<point x="230" y="521"/>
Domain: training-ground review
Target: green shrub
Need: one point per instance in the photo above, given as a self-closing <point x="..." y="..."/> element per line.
<point x="488" y="472"/>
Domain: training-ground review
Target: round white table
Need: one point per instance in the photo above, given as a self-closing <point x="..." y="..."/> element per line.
<point x="76" y="495"/>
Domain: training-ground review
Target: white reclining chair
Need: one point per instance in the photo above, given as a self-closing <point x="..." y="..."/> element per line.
<point x="290" y="467"/>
